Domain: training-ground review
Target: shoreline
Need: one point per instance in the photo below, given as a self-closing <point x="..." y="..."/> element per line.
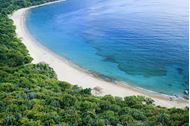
<point x="69" y="72"/>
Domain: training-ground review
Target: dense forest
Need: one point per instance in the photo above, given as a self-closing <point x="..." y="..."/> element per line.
<point x="31" y="95"/>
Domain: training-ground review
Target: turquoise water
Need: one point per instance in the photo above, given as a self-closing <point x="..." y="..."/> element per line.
<point x="144" y="43"/>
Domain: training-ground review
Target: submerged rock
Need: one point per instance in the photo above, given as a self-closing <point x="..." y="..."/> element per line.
<point x="180" y="70"/>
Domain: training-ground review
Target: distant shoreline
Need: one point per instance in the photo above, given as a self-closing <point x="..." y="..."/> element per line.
<point x="67" y="71"/>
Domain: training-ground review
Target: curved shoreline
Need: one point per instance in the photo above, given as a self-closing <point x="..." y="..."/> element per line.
<point x="69" y="72"/>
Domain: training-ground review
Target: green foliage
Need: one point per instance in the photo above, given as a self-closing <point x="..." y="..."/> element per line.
<point x="31" y="95"/>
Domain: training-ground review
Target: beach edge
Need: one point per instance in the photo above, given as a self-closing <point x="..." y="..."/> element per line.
<point x="66" y="72"/>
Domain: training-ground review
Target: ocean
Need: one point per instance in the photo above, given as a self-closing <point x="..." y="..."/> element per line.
<point x="143" y="43"/>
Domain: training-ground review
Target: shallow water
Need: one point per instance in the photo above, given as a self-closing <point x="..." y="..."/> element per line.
<point x="144" y="43"/>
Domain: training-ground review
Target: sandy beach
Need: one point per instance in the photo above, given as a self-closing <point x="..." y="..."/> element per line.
<point x="66" y="71"/>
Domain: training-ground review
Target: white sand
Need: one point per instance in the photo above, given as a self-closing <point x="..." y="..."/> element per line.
<point x="66" y="71"/>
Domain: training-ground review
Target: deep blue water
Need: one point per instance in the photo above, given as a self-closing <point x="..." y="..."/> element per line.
<point x="144" y="43"/>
